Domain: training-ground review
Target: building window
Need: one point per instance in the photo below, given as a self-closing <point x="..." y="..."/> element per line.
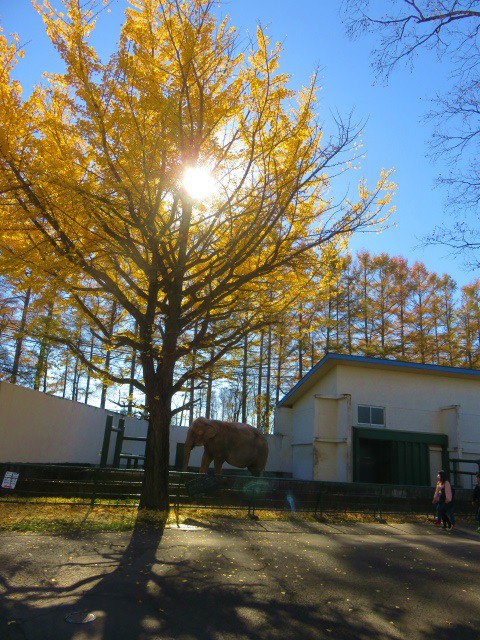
<point x="373" y="416"/>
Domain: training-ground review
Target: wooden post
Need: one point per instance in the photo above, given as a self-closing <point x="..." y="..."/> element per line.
<point x="106" y="441"/>
<point x="119" y="442"/>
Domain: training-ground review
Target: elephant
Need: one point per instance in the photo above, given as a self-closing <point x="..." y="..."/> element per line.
<point x="236" y="443"/>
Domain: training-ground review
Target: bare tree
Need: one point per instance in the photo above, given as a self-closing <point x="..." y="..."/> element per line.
<point x="451" y="28"/>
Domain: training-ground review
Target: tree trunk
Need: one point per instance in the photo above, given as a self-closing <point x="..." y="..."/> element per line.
<point x="21" y="332"/>
<point x="133" y="364"/>
<point x="300" y="347"/>
<point x="244" y="379"/>
<point x="76" y="381"/>
<point x="260" y="383"/>
<point x="155" y="493"/>
<point x="349" y="318"/>
<point x="76" y="371"/>
<point x="65" y="375"/>
<point x="266" y="420"/>
<point x="113" y="313"/>
<point x="42" y="355"/>
<point x="279" y="368"/>
<point x="87" y="387"/>
<point x="45" y="376"/>
<point x="208" y="398"/>
<point x="402" y="330"/>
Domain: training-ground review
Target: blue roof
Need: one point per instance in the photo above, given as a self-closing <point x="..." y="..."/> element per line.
<point x="330" y="359"/>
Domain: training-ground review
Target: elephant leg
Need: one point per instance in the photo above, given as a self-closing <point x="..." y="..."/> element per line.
<point x="206" y="460"/>
<point x="218" y="467"/>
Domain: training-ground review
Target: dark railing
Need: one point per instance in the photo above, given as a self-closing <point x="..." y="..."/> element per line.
<point x="132" y="460"/>
<point x="97" y="485"/>
<point x="82" y="483"/>
<point x="456" y="471"/>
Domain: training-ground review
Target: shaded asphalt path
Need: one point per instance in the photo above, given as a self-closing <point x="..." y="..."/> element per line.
<point x="255" y="580"/>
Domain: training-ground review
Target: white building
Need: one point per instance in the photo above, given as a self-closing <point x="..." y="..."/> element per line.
<point x="361" y="419"/>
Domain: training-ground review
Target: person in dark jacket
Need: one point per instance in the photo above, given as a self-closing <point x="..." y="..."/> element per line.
<point x="476" y="500"/>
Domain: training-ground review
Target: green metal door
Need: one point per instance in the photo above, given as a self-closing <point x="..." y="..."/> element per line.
<point x="411" y="463"/>
<point x="397" y="457"/>
<point x="375" y="461"/>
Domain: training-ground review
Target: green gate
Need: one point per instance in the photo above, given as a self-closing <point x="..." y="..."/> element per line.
<point x="395" y="457"/>
<point x="411" y="462"/>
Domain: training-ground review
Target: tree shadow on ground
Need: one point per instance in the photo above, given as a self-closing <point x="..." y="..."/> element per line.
<point x="425" y="585"/>
<point x="40" y="610"/>
<point x="142" y="587"/>
<point x="152" y="593"/>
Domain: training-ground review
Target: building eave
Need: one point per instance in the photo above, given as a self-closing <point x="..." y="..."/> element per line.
<point x="331" y="360"/>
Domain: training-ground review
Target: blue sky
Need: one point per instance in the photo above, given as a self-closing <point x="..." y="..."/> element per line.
<point x="313" y="37"/>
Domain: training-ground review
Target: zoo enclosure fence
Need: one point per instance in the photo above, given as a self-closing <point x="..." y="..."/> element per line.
<point x="97" y="485"/>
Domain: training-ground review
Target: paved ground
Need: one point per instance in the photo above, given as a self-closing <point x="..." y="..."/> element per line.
<point x="250" y="581"/>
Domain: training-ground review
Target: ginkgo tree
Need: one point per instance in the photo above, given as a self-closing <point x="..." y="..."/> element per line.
<point x="91" y="182"/>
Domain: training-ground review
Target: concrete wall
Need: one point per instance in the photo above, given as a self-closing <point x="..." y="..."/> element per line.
<point x="36" y="427"/>
<point x="302" y="441"/>
<point x="333" y="436"/>
<point x="302" y="461"/>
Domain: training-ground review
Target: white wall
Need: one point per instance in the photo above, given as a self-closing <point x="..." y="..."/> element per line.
<point x="309" y="421"/>
<point x="435" y="455"/>
<point x="412" y="399"/>
<point x="283" y="420"/>
<point x="327" y="438"/>
<point x="470" y="432"/>
<point x="279" y="453"/>
<point x="302" y="461"/>
<point x="36" y="427"/>
<point x="326" y="417"/>
<point x="419" y="401"/>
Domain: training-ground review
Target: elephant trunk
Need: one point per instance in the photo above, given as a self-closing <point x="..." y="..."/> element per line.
<point x="189" y="444"/>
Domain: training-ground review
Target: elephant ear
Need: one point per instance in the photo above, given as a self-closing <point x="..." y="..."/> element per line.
<point x="211" y="430"/>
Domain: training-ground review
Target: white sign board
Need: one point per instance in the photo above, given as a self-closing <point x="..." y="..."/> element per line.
<point x="10" y="480"/>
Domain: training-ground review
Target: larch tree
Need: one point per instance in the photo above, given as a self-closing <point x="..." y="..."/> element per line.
<point x="92" y="169"/>
<point x="443" y="303"/>
<point x="402" y="289"/>
<point x="468" y="323"/>
<point x="383" y="305"/>
<point x="422" y="315"/>
<point x="8" y="308"/>
<point x="364" y="277"/>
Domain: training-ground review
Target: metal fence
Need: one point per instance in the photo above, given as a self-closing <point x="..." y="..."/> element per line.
<point x="466" y="468"/>
<point x="96" y="485"/>
<point x="283" y="494"/>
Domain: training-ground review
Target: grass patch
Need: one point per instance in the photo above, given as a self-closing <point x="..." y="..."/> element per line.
<point x="65" y="518"/>
<point x="206" y="515"/>
<point x="54" y="515"/>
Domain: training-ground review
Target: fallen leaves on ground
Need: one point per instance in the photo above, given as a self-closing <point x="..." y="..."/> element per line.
<point x="54" y="516"/>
